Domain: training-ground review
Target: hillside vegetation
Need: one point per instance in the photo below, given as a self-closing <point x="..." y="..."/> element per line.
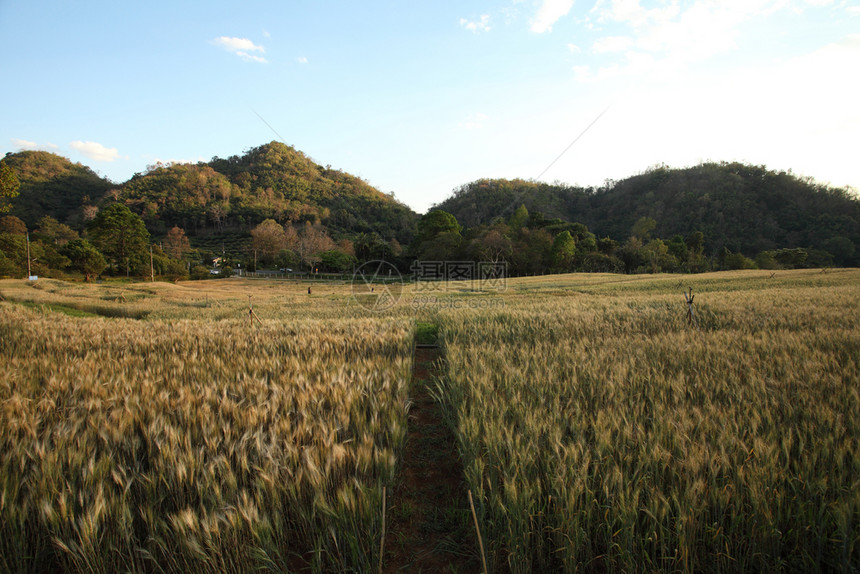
<point x="274" y="207"/>
<point x="744" y="208"/>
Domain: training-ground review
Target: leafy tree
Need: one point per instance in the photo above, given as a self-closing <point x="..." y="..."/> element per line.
<point x="177" y="243"/>
<point x="695" y="242"/>
<point x="55" y="232"/>
<point x="790" y="258"/>
<point x="13" y="225"/>
<point x="734" y="261"/>
<point x="287" y="259"/>
<point x="657" y="257"/>
<point x="337" y="260"/>
<point x="841" y="248"/>
<point x="531" y="253"/>
<point x="519" y="219"/>
<point x="269" y="239"/>
<point x="8" y="186"/>
<point x="84" y="257"/>
<point x="434" y="223"/>
<point x="642" y="228"/>
<point x="678" y="248"/>
<point x="119" y="234"/>
<point x="563" y="251"/>
<point x="492" y="246"/>
<point x="607" y="246"/>
<point x="312" y="241"/>
<point x="438" y="236"/>
<point x="446" y="246"/>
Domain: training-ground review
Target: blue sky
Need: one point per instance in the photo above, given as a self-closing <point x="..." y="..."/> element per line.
<point x="421" y="97"/>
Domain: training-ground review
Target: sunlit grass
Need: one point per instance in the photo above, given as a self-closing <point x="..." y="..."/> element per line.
<point x="601" y="431"/>
<point x="166" y="429"/>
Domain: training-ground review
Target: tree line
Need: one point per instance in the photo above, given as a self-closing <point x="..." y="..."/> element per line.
<point x="189" y="221"/>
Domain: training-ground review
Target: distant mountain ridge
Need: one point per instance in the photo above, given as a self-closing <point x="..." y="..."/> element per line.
<point x="744" y="208"/>
<point x="272" y="181"/>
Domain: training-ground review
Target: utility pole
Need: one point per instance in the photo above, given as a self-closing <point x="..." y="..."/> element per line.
<point x="29" y="273"/>
<point x="151" y="266"/>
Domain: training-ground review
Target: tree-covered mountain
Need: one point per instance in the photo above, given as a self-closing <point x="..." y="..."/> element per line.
<point x="743" y="208"/>
<point x="274" y="206"/>
<point x="272" y="181"/>
<point x="51" y="185"/>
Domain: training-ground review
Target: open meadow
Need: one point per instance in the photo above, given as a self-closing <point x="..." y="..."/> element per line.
<point x="155" y="427"/>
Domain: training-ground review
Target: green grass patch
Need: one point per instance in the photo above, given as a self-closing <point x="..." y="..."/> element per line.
<point x="56" y="308"/>
<point x="426" y="333"/>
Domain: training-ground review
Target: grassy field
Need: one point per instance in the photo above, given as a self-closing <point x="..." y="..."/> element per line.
<point x="603" y="432"/>
<point x="152" y="427"/>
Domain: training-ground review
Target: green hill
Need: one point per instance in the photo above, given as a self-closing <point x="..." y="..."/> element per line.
<point x="223" y="197"/>
<point x="741" y="207"/>
<point x="52" y="185"/>
<point x="273" y="181"/>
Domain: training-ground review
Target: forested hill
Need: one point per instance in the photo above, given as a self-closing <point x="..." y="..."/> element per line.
<point x="272" y="181"/>
<point x="744" y="208"/>
<point x="51" y="185"/>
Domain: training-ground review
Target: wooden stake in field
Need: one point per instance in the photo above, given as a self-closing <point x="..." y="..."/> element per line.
<point x="251" y="314"/>
<point x="691" y="318"/>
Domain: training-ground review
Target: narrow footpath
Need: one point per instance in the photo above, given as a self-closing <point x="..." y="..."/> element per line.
<point x="430" y="526"/>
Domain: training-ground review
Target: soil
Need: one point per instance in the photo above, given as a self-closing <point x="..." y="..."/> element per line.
<point x="430" y="525"/>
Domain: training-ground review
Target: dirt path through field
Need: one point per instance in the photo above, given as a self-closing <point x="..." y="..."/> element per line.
<point x="429" y="528"/>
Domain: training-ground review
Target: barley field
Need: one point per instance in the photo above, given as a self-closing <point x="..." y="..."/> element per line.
<point x="601" y="431"/>
<point x="195" y="440"/>
<point x="153" y="427"/>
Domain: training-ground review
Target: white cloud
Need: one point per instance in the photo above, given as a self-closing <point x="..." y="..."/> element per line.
<point x="549" y="13"/>
<point x="612" y="44"/>
<point x="302" y="60"/>
<point x="95" y="151"/>
<point x="33" y="146"/>
<point x="674" y="35"/>
<point x="242" y="47"/>
<point x="474" y="121"/>
<point x="480" y="25"/>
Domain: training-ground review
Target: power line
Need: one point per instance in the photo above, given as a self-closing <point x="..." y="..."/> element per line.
<point x="576" y="139"/>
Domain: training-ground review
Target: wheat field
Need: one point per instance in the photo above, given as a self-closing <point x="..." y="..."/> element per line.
<point x="603" y="432"/>
<point x="195" y="444"/>
<point x="151" y="427"/>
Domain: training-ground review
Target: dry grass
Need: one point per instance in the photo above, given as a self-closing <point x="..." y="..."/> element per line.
<point x="598" y="430"/>
<point x="195" y="445"/>
<point x="601" y="432"/>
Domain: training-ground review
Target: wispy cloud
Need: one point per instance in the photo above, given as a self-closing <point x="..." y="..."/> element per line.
<point x="474" y="121"/>
<point x="673" y="35"/>
<point x="302" y="60"/>
<point x="95" y="150"/>
<point x="549" y="13"/>
<point x="482" y="24"/>
<point x="242" y="47"/>
<point x="33" y="146"/>
<point x="611" y="44"/>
